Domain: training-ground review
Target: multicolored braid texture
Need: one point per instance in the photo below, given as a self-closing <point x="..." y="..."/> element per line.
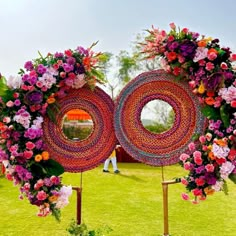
<point x="79" y="156"/>
<point x="151" y="148"/>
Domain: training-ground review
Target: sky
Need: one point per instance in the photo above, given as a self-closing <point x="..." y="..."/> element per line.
<point x="29" y="26"/>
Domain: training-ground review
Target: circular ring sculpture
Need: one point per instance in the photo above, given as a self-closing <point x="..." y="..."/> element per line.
<point x="79" y="156"/>
<point x="151" y="148"/>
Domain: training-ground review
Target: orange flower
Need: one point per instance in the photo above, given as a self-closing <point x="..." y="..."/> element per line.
<point x="212" y="50"/>
<point x="53" y="198"/>
<point x="221" y="142"/>
<point x="209" y="101"/>
<point x="209" y="191"/>
<point x="202" y="43"/>
<point x="211" y="156"/>
<point x="45" y="155"/>
<point x="38" y="158"/>
<point x="86" y="62"/>
<point x="51" y="100"/>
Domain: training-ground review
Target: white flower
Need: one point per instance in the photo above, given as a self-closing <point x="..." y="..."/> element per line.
<point x="64" y="194"/>
<point x="219" y="151"/>
<point x="37" y="123"/>
<point x="218" y="186"/>
<point x="200" y="54"/>
<point x="14" y="82"/>
<point x="226" y="169"/>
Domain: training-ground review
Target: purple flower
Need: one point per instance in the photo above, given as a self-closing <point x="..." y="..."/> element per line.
<point x="213" y="81"/>
<point x="80" y="69"/>
<point x="29" y="66"/>
<point x="173" y="45"/>
<point x="3" y="155"/>
<point x="71" y="60"/>
<point x="82" y="51"/>
<point x="41" y="69"/>
<point x="39" y="144"/>
<point x="210" y="178"/>
<point x="187" y="49"/>
<point x="67" y="68"/>
<point x="23" y="173"/>
<point x="200" y="169"/>
<point x="58" y="55"/>
<point x="33" y="133"/>
<point x="34" y="97"/>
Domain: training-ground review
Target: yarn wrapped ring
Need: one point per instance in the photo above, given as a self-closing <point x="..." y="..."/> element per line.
<point x="148" y="147"/>
<point x="79" y="156"/>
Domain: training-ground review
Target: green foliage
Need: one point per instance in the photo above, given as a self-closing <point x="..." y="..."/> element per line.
<point x="224" y="114"/>
<point x="82" y="230"/>
<point x="76" y="132"/>
<point x="210" y="112"/>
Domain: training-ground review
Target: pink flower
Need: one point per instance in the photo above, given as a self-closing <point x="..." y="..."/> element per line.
<point x="197" y="157"/>
<point x="209" y="168"/>
<point x="28" y="154"/>
<point x="201" y="53"/>
<point x="233" y="57"/>
<point x="199" y="181"/>
<point x="223" y="66"/>
<point x="212" y="56"/>
<point x="208" y="136"/>
<point x="10" y="104"/>
<point x="185" y="196"/>
<point x="226" y="169"/>
<point x="41" y="195"/>
<point x="172" y="25"/>
<point x="202" y="139"/>
<point x="185" y="30"/>
<point x="184" y="181"/>
<point x="191" y="147"/>
<point x="233" y="104"/>
<point x="187" y="166"/>
<point x="209" y="66"/>
<point x="183" y="157"/>
<point x="29" y="145"/>
<point x="6" y="119"/>
<point x="197" y="192"/>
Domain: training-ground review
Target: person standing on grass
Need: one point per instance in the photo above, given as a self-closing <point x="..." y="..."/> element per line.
<point x="113" y="160"/>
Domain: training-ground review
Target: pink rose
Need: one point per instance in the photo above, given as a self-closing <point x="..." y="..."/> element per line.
<point x="41" y="195"/>
<point x="191" y="147"/>
<point x="184" y="181"/>
<point x="29" y="145"/>
<point x="223" y="66"/>
<point x="209" y="167"/>
<point x="233" y="104"/>
<point x="199" y="181"/>
<point x="10" y="104"/>
<point x="172" y="25"/>
<point x="197" y="157"/>
<point x="183" y="157"/>
<point x="185" y="196"/>
<point x="197" y="192"/>
<point x="202" y="139"/>
<point x="209" y="66"/>
<point x="28" y="154"/>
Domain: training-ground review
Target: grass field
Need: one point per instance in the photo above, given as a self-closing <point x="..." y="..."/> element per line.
<point x="130" y="203"/>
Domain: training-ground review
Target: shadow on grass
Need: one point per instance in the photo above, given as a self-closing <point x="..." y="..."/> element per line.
<point x="132" y="177"/>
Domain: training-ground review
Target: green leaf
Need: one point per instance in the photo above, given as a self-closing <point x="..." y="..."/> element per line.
<point x="210" y="112"/>
<point x="232" y="177"/>
<point x="52" y="111"/>
<point x="224" y="115"/>
<point x="53" y="167"/>
<point x="225" y="188"/>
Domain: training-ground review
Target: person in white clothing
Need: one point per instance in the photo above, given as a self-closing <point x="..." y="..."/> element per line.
<point x="113" y="160"/>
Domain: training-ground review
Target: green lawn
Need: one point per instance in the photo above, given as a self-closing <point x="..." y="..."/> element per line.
<point x="130" y="203"/>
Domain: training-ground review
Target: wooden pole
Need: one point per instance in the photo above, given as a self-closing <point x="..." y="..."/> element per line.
<point x="165" y="204"/>
<point x="78" y="205"/>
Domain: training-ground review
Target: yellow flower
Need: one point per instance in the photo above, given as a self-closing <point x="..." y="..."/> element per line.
<point x="201" y="88"/>
<point x="38" y="158"/>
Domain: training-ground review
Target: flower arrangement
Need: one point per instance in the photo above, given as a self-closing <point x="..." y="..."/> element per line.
<point x="210" y="71"/>
<point x="24" y="101"/>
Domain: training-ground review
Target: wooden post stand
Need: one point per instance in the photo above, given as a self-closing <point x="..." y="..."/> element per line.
<point x="165" y="204"/>
<point x="79" y="200"/>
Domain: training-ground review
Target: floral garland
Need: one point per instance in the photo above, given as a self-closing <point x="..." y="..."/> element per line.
<point x="24" y="101"/>
<point x="210" y="71"/>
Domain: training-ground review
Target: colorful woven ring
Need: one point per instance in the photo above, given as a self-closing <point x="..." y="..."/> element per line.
<point x="151" y="148"/>
<point x="79" y="156"/>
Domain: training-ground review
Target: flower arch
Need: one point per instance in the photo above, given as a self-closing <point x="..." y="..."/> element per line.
<point x="209" y="70"/>
<point x="24" y="103"/>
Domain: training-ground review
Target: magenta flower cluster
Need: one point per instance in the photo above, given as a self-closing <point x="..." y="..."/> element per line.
<point x="209" y="69"/>
<point x="24" y="101"/>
